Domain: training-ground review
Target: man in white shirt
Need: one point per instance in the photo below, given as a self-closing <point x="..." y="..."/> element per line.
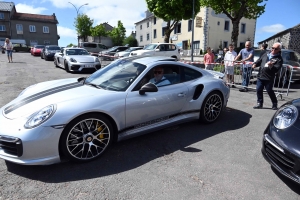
<point x="229" y="65"/>
<point x="159" y="79"/>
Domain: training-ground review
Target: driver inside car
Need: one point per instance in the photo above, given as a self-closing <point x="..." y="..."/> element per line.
<point x="159" y="79"/>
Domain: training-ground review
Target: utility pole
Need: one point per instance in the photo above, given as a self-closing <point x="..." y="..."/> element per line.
<point x="192" y="58"/>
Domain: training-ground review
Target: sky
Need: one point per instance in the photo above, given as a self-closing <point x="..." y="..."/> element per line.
<point x="279" y="15"/>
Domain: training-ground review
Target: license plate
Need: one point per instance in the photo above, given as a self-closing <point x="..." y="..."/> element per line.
<point x="89" y="66"/>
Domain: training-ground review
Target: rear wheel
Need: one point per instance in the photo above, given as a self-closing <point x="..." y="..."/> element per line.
<point x="211" y="108"/>
<point x="86" y="138"/>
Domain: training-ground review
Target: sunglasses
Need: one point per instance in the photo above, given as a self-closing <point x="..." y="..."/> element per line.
<point x="157" y="72"/>
<point x="274" y="48"/>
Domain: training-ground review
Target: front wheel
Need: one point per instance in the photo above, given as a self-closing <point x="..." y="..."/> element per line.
<point x="55" y="62"/>
<point x="211" y="108"/>
<point x="86" y="138"/>
<point x="67" y="67"/>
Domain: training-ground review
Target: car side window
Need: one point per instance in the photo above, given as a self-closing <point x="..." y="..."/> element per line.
<point x="171" y="73"/>
<point x="190" y="74"/>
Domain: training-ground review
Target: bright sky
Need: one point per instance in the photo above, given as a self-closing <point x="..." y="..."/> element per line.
<point x="279" y="15"/>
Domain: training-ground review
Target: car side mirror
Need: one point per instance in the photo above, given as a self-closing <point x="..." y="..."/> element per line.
<point x="157" y="49"/>
<point x="149" y="87"/>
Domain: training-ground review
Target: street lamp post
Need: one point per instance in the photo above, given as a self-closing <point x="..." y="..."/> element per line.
<point x="77" y="11"/>
<point x="192" y="58"/>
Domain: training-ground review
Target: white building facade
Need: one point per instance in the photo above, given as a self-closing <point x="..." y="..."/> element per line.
<point x="214" y="31"/>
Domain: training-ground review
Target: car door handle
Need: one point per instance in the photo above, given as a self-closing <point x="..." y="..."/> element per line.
<point x="181" y="94"/>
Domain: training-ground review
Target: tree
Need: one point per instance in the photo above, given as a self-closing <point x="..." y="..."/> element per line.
<point x="235" y="10"/>
<point x="173" y="11"/>
<point x="131" y="41"/>
<point x="70" y="45"/>
<point x="83" y="25"/>
<point x="118" y="34"/>
<point x="99" y="31"/>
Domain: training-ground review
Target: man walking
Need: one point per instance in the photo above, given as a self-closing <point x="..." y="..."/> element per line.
<point x="247" y="56"/>
<point x="269" y="64"/>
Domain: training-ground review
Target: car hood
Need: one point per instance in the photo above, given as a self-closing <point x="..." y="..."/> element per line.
<point x="38" y="96"/>
<point x="288" y="138"/>
<point x="83" y="58"/>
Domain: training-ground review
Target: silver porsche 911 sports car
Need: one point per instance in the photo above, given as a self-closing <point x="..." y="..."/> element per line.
<point x="76" y="59"/>
<point x="78" y="118"/>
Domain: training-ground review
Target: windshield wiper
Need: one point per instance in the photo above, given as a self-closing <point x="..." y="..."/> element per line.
<point x="94" y="85"/>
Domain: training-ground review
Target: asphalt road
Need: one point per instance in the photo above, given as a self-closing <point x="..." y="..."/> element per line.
<point x="189" y="161"/>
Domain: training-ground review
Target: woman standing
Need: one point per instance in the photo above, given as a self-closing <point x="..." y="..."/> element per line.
<point x="9" y="48"/>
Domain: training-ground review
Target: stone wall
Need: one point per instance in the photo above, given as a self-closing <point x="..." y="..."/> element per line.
<point x="295" y="39"/>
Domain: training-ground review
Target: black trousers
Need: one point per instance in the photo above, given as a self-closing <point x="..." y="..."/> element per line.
<point x="260" y="85"/>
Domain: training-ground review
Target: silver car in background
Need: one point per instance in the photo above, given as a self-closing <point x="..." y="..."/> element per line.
<point x="126" y="53"/>
<point x="79" y="118"/>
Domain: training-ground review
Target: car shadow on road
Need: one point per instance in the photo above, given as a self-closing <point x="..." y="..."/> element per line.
<point x="291" y="184"/>
<point x="135" y="152"/>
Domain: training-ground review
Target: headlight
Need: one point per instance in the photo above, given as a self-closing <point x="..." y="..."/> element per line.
<point x="73" y="60"/>
<point x="40" y="117"/>
<point x="97" y="60"/>
<point x="285" y="117"/>
<point x="133" y="54"/>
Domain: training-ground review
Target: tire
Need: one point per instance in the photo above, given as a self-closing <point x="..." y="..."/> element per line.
<point x="211" y="108"/>
<point x="86" y="138"/>
<point x="55" y="63"/>
<point x="46" y="59"/>
<point x="66" y="66"/>
<point x="176" y="59"/>
<point x="42" y="56"/>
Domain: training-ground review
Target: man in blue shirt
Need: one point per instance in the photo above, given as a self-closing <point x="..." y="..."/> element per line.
<point x="159" y="79"/>
<point x="247" y="57"/>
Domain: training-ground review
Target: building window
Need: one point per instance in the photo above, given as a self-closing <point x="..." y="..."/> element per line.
<point x="33" y="42"/>
<point x="225" y="44"/>
<point x="154" y="33"/>
<point x="19" y="28"/>
<point x="46" y="42"/>
<point x="226" y="26"/>
<point x="45" y="29"/>
<point x="1" y="15"/>
<point x="148" y="36"/>
<point x="2" y="27"/>
<point x="218" y="23"/>
<point x="141" y="27"/>
<point x="196" y="44"/>
<point x="177" y="29"/>
<point x="190" y="24"/>
<point x="242" y="44"/>
<point x="147" y="24"/>
<point x="32" y="28"/>
<point x="154" y="20"/>
<point x="243" y="28"/>
<point x="163" y="31"/>
<point x="141" y="38"/>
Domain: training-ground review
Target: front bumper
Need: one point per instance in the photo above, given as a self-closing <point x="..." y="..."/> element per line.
<point x="37" y="146"/>
<point x="84" y="66"/>
<point x="50" y="55"/>
<point x="282" y="160"/>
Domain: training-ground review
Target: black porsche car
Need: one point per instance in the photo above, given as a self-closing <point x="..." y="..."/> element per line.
<point x="281" y="140"/>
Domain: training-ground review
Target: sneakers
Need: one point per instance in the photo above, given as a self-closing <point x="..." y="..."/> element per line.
<point x="243" y="90"/>
<point x="274" y="106"/>
<point x="258" y="106"/>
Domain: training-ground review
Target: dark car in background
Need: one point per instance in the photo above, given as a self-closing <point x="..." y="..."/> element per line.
<point x="109" y="53"/>
<point x="291" y="64"/>
<point x="21" y="47"/>
<point x="281" y="140"/>
<point x="49" y="51"/>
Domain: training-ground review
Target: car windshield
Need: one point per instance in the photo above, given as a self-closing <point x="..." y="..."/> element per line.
<point x="54" y="48"/>
<point x="150" y="47"/>
<point x="76" y="52"/>
<point x="39" y="47"/>
<point x="112" y="49"/>
<point x="117" y="76"/>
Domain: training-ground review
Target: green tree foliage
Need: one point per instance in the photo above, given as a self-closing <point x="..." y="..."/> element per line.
<point x="118" y="34"/>
<point x="83" y="25"/>
<point x="99" y="31"/>
<point x="70" y="45"/>
<point x="235" y="10"/>
<point x="173" y="11"/>
<point x="131" y="41"/>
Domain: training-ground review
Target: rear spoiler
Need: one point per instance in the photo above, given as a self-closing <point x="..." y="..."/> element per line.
<point x="216" y="74"/>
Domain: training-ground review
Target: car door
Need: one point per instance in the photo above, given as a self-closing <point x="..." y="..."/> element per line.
<point x="160" y="50"/>
<point x="153" y="107"/>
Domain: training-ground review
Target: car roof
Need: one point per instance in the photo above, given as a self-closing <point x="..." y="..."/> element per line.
<point x="145" y="60"/>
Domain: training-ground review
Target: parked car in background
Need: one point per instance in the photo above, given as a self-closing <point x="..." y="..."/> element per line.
<point x="291" y="64"/>
<point x="92" y="47"/>
<point x="158" y="49"/>
<point x="21" y="47"/>
<point x="110" y="53"/>
<point x="127" y="52"/>
<point x="281" y="140"/>
<point x="76" y="59"/>
<point x="37" y="49"/>
<point x="49" y="51"/>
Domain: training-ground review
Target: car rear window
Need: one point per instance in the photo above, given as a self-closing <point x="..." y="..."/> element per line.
<point x="54" y="48"/>
<point x="39" y="46"/>
<point x="90" y="45"/>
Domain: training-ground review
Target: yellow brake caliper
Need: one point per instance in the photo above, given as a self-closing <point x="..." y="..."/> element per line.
<point x="99" y="129"/>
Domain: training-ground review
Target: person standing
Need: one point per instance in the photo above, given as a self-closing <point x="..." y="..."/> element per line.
<point x="263" y="49"/>
<point x="229" y="64"/>
<point x="269" y="64"/>
<point x="9" y="48"/>
<point x="247" y="56"/>
<point x="209" y="59"/>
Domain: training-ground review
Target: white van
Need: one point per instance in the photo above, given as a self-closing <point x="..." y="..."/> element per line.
<point x="93" y="47"/>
